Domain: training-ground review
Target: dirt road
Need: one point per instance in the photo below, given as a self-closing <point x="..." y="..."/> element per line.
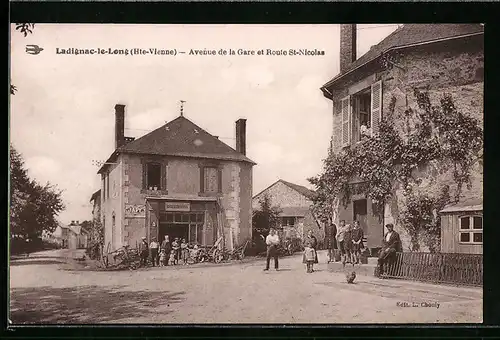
<point x="43" y="293"/>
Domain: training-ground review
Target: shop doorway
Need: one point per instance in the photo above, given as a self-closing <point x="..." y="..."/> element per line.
<point x="184" y="225"/>
<point x="173" y="230"/>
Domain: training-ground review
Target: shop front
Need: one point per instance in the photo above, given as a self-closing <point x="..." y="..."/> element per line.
<point x="194" y="221"/>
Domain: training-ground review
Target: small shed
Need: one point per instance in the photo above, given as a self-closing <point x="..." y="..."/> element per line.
<point x="462" y="228"/>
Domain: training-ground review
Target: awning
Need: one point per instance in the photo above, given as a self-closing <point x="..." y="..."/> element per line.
<point x="182" y="198"/>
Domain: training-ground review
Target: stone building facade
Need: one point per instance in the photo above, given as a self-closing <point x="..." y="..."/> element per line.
<point x="439" y="58"/>
<point x="179" y="181"/>
<point x="295" y="203"/>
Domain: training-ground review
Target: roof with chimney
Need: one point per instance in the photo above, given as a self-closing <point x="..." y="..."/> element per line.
<point x="410" y="35"/>
<point x="180" y="137"/>
<point x="310" y="194"/>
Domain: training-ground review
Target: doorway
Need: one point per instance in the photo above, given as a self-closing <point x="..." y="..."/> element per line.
<point x="173" y="230"/>
<point x="184" y="225"/>
<point x="360" y="208"/>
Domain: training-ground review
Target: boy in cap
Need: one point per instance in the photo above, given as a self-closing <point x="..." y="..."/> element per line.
<point x="143" y="251"/>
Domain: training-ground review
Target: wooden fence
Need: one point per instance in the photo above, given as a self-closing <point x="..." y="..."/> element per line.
<point x="466" y="269"/>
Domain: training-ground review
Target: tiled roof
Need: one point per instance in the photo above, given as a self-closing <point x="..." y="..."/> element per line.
<point x="181" y="137"/>
<point x="299" y="188"/>
<point x="411" y="34"/>
<point x="293" y="211"/>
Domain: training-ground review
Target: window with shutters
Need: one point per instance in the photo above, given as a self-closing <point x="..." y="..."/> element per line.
<point x="210" y="179"/>
<point x="154" y="175"/>
<point x="361" y="114"/>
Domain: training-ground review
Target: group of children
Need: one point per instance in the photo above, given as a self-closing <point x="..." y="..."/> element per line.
<point x="350" y="242"/>
<point x="179" y="253"/>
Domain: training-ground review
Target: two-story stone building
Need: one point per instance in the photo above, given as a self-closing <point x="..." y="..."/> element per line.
<point x="439" y="58"/>
<point x="294" y="202"/>
<point x="177" y="180"/>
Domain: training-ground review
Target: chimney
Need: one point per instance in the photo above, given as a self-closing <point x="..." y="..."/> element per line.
<point x="72" y="222"/>
<point x="241" y="143"/>
<point x="119" y="125"/>
<point x="347" y="46"/>
<point x="77" y="222"/>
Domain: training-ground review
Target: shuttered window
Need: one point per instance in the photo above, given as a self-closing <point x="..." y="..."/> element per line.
<point x="376" y="107"/>
<point x="154" y="175"/>
<point x="211" y="180"/>
<point x="346" y="120"/>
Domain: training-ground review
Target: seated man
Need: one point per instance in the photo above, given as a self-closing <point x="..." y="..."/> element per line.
<point x="391" y="244"/>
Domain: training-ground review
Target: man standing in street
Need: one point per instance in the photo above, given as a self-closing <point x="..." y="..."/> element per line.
<point x="272" y="242"/>
<point x="154" y="252"/>
<point x="331" y="241"/>
<point x="143" y="252"/>
<point x="165" y="245"/>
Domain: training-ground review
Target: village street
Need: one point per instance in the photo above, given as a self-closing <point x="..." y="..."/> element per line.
<point x="238" y="293"/>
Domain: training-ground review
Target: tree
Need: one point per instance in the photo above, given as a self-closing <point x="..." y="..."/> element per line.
<point x="266" y="217"/>
<point x="25" y="29"/>
<point x="33" y="207"/>
<point x="95" y="238"/>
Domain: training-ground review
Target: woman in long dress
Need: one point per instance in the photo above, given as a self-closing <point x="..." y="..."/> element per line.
<point x="310" y="255"/>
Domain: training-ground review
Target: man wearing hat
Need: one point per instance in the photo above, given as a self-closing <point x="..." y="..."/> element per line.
<point x="143" y="252"/>
<point x="390" y="246"/>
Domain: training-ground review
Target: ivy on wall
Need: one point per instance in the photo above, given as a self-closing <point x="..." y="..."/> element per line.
<point x="438" y="135"/>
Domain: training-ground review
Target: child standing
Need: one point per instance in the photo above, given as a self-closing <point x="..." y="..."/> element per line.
<point x="357" y="241"/>
<point x="163" y="257"/>
<point x="184" y="251"/>
<point x="172" y="257"/>
<point x="176" y="249"/>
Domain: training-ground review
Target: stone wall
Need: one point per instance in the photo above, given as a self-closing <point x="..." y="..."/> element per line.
<point x="112" y="204"/>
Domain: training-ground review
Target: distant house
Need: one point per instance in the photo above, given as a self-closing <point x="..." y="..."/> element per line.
<point x="177" y="180"/>
<point x="462" y="227"/>
<point x="74" y="236"/>
<point x="295" y="203"/>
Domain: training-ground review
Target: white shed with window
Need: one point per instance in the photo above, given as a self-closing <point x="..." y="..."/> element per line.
<point x="462" y="228"/>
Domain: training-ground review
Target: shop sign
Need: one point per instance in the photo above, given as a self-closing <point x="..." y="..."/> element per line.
<point x="135" y="211"/>
<point x="177" y="206"/>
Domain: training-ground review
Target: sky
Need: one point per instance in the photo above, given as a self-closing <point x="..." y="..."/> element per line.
<point x="62" y="117"/>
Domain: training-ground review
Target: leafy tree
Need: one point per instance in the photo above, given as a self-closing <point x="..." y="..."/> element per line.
<point x="266" y="217"/>
<point x="33" y="207"/>
<point x="25" y="29"/>
<point x="95" y="238"/>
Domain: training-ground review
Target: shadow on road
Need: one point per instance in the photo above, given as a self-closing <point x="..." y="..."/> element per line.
<point x="33" y="262"/>
<point x="85" y="305"/>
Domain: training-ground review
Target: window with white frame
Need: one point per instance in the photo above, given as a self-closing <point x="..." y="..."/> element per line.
<point x="471" y="229"/>
<point x="361" y="114"/>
